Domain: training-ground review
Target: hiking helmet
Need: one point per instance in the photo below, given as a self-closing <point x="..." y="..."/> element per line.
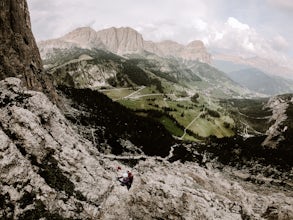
<point x="125" y="175"/>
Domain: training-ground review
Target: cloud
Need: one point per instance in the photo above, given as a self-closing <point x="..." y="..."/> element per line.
<point x="280" y="43"/>
<point x="62" y="16"/>
<point x="240" y="27"/>
<point x="234" y="23"/>
<point x="232" y="35"/>
<point x="237" y="38"/>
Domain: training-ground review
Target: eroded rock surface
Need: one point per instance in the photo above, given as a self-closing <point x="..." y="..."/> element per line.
<point x="49" y="171"/>
<point x="19" y="54"/>
<point x="18" y="51"/>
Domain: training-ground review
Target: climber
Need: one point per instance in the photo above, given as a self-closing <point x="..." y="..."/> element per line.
<point x="126" y="179"/>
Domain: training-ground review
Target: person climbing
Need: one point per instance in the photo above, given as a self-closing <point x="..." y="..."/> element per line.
<point x="126" y="179"/>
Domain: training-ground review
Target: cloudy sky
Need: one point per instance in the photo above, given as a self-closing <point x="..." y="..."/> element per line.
<point x="244" y="27"/>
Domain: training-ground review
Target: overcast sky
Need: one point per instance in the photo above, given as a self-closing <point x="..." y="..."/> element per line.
<point x="246" y="27"/>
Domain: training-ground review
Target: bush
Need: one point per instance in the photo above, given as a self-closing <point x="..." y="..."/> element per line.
<point x="213" y="113"/>
<point x="194" y="98"/>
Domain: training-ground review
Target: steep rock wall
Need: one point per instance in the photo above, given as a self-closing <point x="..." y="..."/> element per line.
<point x="19" y="54"/>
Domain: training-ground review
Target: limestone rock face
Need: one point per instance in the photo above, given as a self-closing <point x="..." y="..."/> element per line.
<point x="193" y="51"/>
<point x="19" y="54"/>
<point x="43" y="161"/>
<point x="121" y="40"/>
<point x="124" y="41"/>
<point x="84" y="37"/>
<point x="81" y="35"/>
<point x="196" y="50"/>
<point x="170" y="48"/>
<point x="276" y="132"/>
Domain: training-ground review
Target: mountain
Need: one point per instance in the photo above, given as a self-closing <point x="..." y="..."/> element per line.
<point x="195" y="50"/>
<point x="18" y="47"/>
<point x="267" y="124"/>
<point x="100" y="68"/>
<point x="19" y="54"/>
<point x="148" y="82"/>
<point x="260" y="82"/>
<point x="157" y="87"/>
<point x="63" y="163"/>
<point x="229" y="66"/>
<point x="122" y="41"/>
<point x="50" y="170"/>
<point x="268" y="66"/>
<point x="254" y="79"/>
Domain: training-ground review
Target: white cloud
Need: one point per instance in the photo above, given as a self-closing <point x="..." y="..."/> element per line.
<point x="238" y="38"/>
<point x="232" y="35"/>
<point x="234" y="23"/>
<point x="218" y="23"/>
<point x="199" y="24"/>
<point x="280" y="43"/>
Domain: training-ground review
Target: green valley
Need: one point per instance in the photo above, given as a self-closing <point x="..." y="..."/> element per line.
<point x="182" y="96"/>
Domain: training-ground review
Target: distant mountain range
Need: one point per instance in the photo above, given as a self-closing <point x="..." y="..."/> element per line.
<point x="94" y="68"/>
<point x="256" y="74"/>
<point x="222" y="60"/>
<point x="258" y="81"/>
<point x="254" y="79"/>
<point x="170" y="89"/>
<point x="124" y="41"/>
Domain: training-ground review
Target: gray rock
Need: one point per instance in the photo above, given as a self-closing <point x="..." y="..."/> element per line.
<point x="19" y="54"/>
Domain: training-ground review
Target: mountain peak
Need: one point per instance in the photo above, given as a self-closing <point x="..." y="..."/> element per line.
<point x="82" y="35"/>
<point x="196" y="44"/>
<point x="125" y="29"/>
<point x="126" y="40"/>
<point x="82" y="29"/>
<point x="123" y="40"/>
<point x="169" y="42"/>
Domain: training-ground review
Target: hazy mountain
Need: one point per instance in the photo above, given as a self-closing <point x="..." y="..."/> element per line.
<point x="258" y="81"/>
<point x="123" y="41"/>
<point x="195" y="50"/>
<point x="228" y="66"/>
<point x="267" y="66"/>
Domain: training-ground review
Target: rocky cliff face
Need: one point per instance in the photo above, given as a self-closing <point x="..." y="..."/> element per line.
<point x="49" y="171"/>
<point x="123" y="41"/>
<point x="19" y="55"/>
<point x="192" y="51"/>
<point x="18" y="51"/>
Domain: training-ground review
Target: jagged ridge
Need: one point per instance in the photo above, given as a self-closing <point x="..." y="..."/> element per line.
<point x="123" y="41"/>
